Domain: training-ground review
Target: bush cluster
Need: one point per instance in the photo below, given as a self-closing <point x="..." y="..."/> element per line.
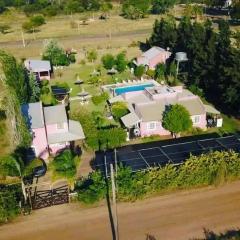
<point x="100" y="133"/>
<point x="65" y="165"/>
<point x="100" y="98"/>
<point x="119" y="62"/>
<point x="119" y="109"/>
<point x="9" y="202"/>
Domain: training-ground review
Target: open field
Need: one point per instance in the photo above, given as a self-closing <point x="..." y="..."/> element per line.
<point x="60" y="26"/>
<point x="182" y="216"/>
<point x="115" y="32"/>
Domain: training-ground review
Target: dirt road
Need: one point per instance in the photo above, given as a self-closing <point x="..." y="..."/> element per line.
<point x="178" y="216"/>
<point x="83" y="38"/>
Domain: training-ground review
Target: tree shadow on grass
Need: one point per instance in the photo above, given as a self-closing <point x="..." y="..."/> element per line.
<point x="233" y="234"/>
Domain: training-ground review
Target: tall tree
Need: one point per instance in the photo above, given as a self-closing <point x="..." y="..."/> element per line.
<point x="121" y="62"/>
<point x="224" y="58"/>
<point x="16" y="85"/>
<point x="177" y="119"/>
<point x="162" y="6"/>
<point x="15" y="76"/>
<point x="164" y="33"/>
<point x="34" y="93"/>
<point x="134" y="9"/>
<point x="54" y="53"/>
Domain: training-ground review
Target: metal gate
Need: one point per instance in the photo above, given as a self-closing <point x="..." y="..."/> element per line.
<point x="47" y="198"/>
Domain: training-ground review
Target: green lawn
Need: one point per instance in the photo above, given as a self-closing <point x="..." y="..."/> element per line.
<point x="230" y="125"/>
<point x="69" y="75"/>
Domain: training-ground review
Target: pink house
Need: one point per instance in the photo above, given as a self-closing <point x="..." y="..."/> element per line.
<point x="153" y="57"/>
<point x="147" y="107"/>
<point x="41" y="69"/>
<point x="51" y="130"/>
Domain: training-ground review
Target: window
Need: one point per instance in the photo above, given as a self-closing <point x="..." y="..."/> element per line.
<point x="196" y="119"/>
<point x="60" y="125"/>
<point x="151" y="126"/>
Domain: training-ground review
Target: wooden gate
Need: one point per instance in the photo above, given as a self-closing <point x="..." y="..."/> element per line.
<point x="47" y="198"/>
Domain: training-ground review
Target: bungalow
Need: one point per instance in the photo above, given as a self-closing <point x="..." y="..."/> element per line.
<point x="153" y="57"/>
<point x="41" y="69"/>
<point x="146" y="108"/>
<point x="51" y="130"/>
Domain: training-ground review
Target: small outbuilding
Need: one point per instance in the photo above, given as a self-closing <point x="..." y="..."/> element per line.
<point x="40" y="68"/>
<point x="152" y="57"/>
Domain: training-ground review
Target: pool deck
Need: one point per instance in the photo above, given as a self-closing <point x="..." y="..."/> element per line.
<point x="111" y="87"/>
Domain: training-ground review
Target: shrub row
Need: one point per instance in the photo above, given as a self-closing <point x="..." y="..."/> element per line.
<point x="9" y="202"/>
<point x="207" y="169"/>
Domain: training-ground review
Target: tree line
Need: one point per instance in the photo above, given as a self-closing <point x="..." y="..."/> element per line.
<point x="214" y="62"/>
<point x="54" y="7"/>
<point x="131" y="9"/>
<point x="18" y="88"/>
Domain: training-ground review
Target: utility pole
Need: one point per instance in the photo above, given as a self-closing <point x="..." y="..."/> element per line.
<point x="105" y="163"/>
<point x="23" y="40"/>
<point x="114" y="203"/>
<point x="115" y="162"/>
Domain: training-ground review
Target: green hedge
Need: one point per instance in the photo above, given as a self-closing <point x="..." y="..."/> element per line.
<point x="207" y="169"/>
<point x="9" y="202"/>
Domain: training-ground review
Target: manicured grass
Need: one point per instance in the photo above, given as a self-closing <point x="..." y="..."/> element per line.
<point x="69" y="75"/>
<point x="230" y="125"/>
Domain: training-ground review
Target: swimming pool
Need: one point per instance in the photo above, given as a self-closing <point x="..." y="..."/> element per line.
<point x="134" y="88"/>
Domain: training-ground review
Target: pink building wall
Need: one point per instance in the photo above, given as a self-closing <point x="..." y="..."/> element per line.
<point x="160" y="58"/>
<point x="129" y="95"/>
<point x="166" y="96"/>
<point x="142" y="61"/>
<point x="178" y="89"/>
<point x="203" y="121"/>
<point x="43" y="76"/>
<point x="159" y="130"/>
<point x="55" y="148"/>
<point x="40" y="143"/>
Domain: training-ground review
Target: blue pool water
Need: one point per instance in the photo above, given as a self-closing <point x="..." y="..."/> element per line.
<point x="134" y="88"/>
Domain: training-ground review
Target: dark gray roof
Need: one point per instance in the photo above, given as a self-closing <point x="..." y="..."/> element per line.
<point x="74" y="133"/>
<point x="55" y="114"/>
<point x="37" y="65"/>
<point x="153" y="52"/>
<point x="33" y="114"/>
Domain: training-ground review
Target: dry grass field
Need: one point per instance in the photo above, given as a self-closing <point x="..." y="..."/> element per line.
<point x="116" y="32"/>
